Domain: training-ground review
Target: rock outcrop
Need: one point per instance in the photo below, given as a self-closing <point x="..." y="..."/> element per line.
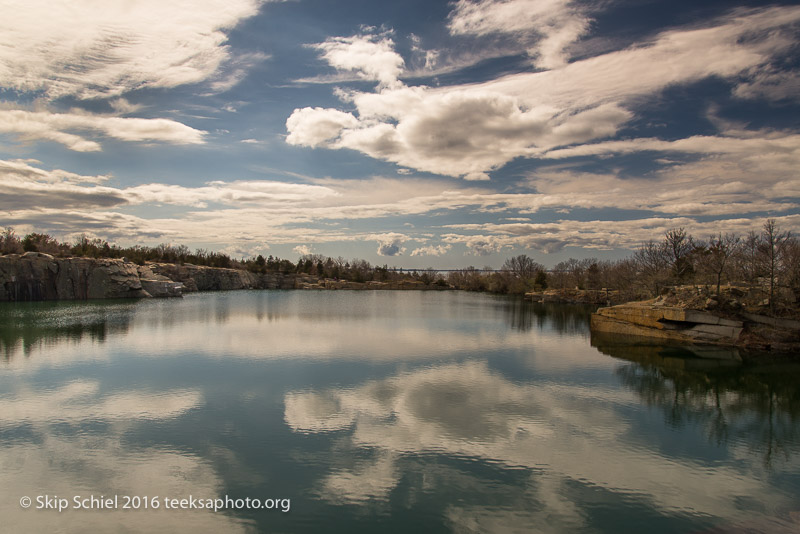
<point x="667" y="323"/>
<point x="578" y="296"/>
<point x="202" y="278"/>
<point x="36" y="276"/>
<point x="686" y="326"/>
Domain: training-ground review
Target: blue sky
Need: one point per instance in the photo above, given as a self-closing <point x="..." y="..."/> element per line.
<point x="413" y="133"/>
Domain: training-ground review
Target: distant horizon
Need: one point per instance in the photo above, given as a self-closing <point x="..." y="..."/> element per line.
<point x="440" y="134"/>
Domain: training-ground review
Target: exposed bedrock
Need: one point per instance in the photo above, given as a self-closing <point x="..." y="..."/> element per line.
<point x="36" y="276"/>
<point x="680" y="325"/>
<point x="202" y="278"/>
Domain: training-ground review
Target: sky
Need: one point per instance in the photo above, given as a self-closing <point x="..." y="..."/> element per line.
<point x="414" y="134"/>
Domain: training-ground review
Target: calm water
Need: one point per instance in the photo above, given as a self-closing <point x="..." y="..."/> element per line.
<point x="382" y="411"/>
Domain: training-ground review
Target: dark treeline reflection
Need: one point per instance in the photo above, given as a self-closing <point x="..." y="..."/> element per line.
<point x="758" y="406"/>
<point x="25" y="326"/>
<point x="523" y="315"/>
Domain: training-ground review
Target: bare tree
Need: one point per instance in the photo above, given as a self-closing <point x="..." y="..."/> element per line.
<point x="718" y="254"/>
<point x="773" y="246"/>
<point x="652" y="263"/>
<point x="749" y="258"/>
<point x="791" y="265"/>
<point x="679" y="246"/>
<point x="522" y="267"/>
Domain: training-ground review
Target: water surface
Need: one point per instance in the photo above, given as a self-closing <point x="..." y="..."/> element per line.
<point x="383" y="411"/>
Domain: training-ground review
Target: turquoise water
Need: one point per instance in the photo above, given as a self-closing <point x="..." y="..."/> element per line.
<point x="379" y="411"/>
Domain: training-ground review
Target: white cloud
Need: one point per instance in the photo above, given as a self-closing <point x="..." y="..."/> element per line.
<point x="245" y="250"/>
<point x="316" y="126"/>
<point x="93" y="48"/>
<point x="236" y="193"/>
<point x="432" y="250"/>
<point x="478" y="245"/>
<point x="244" y="214"/>
<point x="471" y="129"/>
<point x="771" y="84"/>
<point x="123" y="107"/>
<point x="302" y="250"/>
<point x="371" y="57"/>
<point x="597" y="234"/>
<point x="555" y="24"/>
<point x="58" y="127"/>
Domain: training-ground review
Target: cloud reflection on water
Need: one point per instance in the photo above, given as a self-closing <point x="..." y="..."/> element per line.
<point x="564" y="435"/>
<point x="71" y="441"/>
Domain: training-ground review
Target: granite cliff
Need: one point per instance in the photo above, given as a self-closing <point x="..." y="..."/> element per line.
<point x="35" y="276"/>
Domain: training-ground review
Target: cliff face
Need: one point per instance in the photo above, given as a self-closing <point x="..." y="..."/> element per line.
<point x="687" y="326"/>
<point x="667" y="323"/>
<point x="35" y="276"/>
<point x="201" y="278"/>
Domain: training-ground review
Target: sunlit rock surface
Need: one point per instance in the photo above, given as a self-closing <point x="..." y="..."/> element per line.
<point x="36" y="276"/>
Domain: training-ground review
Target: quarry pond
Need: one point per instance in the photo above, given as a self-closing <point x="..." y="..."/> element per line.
<point x="391" y="411"/>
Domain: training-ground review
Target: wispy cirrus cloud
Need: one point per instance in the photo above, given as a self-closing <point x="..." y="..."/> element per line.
<point x="61" y="127"/>
<point x="92" y="49"/>
<point x="257" y="211"/>
<point x="551" y="26"/>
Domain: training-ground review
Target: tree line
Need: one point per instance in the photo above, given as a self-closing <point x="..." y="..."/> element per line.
<point x="769" y="258"/>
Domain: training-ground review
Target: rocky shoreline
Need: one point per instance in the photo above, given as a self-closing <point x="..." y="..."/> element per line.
<point x="35" y="276"/>
<point x="678" y="321"/>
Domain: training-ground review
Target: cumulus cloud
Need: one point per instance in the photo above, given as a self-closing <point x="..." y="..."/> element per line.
<point x="469" y="130"/>
<point x="110" y="48"/>
<point x="478" y="245"/>
<point x="432" y="250"/>
<point x="554" y="24"/>
<point x="316" y="126"/>
<point x="302" y="250"/>
<point x="390" y="244"/>
<point x="59" y="128"/>
<point x="245" y="250"/>
<point x="371" y="57"/>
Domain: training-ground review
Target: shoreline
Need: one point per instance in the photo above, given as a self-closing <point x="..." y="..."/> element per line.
<point x="35" y="276"/>
<point x="675" y="318"/>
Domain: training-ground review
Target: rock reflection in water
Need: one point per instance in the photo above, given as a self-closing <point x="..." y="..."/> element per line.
<point x="523" y="315"/>
<point x="25" y="326"/>
<point x="710" y="386"/>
